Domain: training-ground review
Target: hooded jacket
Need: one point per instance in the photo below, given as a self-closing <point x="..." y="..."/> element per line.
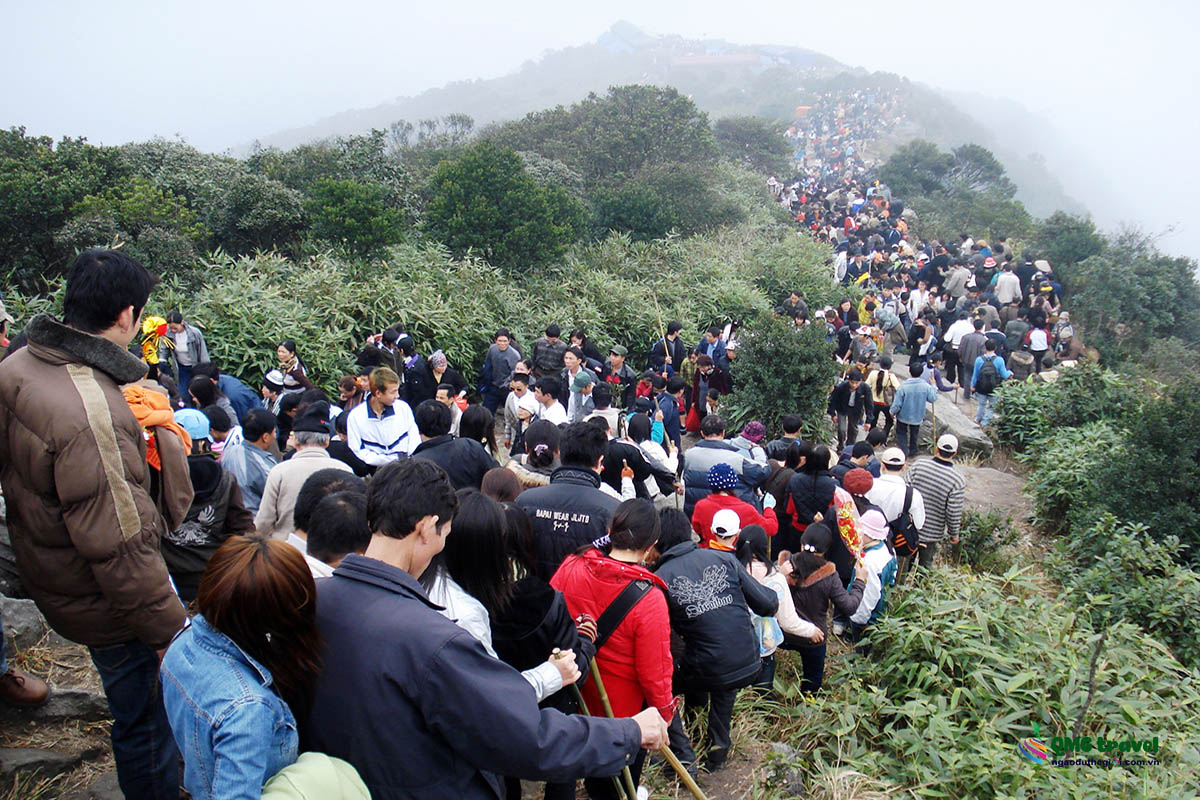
<point x="85" y="529"/>
<point x="711" y="597"/>
<point x="567" y="514"/>
<point x="464" y="460"/>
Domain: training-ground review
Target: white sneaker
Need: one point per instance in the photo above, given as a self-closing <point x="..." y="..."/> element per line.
<point x="839" y="628"/>
<point x="643" y="793"/>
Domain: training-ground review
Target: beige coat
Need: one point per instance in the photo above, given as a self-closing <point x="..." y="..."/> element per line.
<point x="284" y="482"/>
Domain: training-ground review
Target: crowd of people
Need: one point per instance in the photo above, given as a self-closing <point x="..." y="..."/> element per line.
<point x="425" y="587"/>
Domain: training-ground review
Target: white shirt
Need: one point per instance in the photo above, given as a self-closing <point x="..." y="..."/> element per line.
<point x="959" y="329"/>
<point x="1008" y="288"/>
<point x="887" y="492"/>
<point x="554" y="413"/>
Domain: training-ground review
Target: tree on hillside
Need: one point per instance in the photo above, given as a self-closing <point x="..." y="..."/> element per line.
<point x="41" y="182"/>
<point x="354" y="215"/>
<point x="1064" y="239"/>
<point x="485" y="201"/>
<point x="916" y="169"/>
<point x="975" y="168"/>
<point x="618" y="134"/>
<point x="257" y="213"/>
<point x="755" y="142"/>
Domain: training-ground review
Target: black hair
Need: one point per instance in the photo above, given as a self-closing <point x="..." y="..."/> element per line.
<point x="582" y="445"/>
<point x="290" y="402"/>
<point x="990" y="345"/>
<point x="502" y="332"/>
<point x="102" y="284"/>
<point x="542" y="432"/>
<point x="675" y="529"/>
<point x="549" y="385"/>
<point x="600" y="423"/>
<point x="433" y="418"/>
<point x="207" y="369"/>
<point x="639" y="427"/>
<point x="715" y="330"/>
<point x="674" y="326"/>
<point x="816" y="459"/>
<point x="521" y="377"/>
<point x="635" y="525"/>
<point x="575" y="351"/>
<point x="855" y="374"/>
<point x="339" y="423"/>
<point x="553" y="331"/>
<point x="580" y="334"/>
<point x="915" y="368"/>
<point x="475" y="555"/>
<point x="288" y="345"/>
<point x="203" y="391"/>
<point x="658" y="383"/>
<point x="752" y="546"/>
<point x="478" y="425"/>
<point x="519" y="540"/>
<point x="218" y="420"/>
<point x="256" y="422"/>
<point x="676" y="384"/>
<point x="804" y="563"/>
<point x="319" y="485"/>
<point x="174" y="318"/>
<point x="338" y="526"/>
<point x="862" y="448"/>
<point x="403" y="493"/>
<point x="602" y="396"/>
<point x="796" y="450"/>
<point x="501" y="484"/>
<point x="791" y="423"/>
<point x="876" y="437"/>
<point x="448" y="388"/>
<point x="712" y="425"/>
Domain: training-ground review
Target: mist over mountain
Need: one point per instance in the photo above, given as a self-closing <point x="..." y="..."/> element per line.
<point x="726" y="79"/>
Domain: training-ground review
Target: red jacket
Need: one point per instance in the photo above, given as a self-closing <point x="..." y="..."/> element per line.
<point x="635" y="662"/>
<point x="702" y="515"/>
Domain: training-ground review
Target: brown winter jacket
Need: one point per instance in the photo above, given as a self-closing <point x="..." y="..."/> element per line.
<point x="84" y="527"/>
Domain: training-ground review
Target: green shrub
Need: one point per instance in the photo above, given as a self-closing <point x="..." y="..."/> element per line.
<point x="987" y="537"/>
<point x="354" y="215"/>
<point x="781" y="369"/>
<point x="961" y="669"/>
<point x="1025" y="412"/>
<point x="1135" y="576"/>
<point x="1063" y="481"/>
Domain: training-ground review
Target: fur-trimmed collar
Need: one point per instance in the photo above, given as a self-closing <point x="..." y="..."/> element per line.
<point x="820" y="574"/>
<point x="44" y="331"/>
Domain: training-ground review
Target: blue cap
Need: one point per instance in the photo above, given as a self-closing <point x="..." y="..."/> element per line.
<point x="194" y="422"/>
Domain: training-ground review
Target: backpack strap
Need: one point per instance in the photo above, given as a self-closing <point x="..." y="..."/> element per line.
<point x="908" y="496"/>
<point x="619" y="609"/>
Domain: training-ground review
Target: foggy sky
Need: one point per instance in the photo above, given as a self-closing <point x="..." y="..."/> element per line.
<point x="1117" y="80"/>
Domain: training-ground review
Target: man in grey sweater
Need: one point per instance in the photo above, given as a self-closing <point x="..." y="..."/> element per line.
<point x="943" y="488"/>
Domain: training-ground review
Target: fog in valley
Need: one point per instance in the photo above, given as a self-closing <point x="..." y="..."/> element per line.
<point x="1112" y="83"/>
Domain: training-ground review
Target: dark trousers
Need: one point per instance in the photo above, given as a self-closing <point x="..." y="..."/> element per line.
<point x="889" y="420"/>
<point x="143" y="746"/>
<point x="493" y="398"/>
<point x="185" y="379"/>
<point x="926" y="554"/>
<point x="908" y="438"/>
<point x="766" y="678"/>
<point x="554" y="791"/>
<point x="953" y="367"/>
<point x="603" y="789"/>
<point x="812" y="660"/>
<point x="720" y="720"/>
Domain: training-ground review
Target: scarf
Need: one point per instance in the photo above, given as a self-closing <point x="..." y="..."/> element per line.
<point x="153" y="410"/>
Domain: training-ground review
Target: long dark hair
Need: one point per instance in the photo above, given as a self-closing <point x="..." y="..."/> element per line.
<point x="819" y="537"/>
<point x="475" y="555"/>
<point x="477" y="424"/>
<point x="260" y="593"/>
<point x="518" y="538"/>
<point x="541" y="432"/>
<point x="752" y="546"/>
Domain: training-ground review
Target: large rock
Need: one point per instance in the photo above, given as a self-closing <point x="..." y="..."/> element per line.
<point x="10" y="581"/>
<point x="37" y="763"/>
<point x="103" y="788"/>
<point x="64" y="704"/>
<point x="24" y="625"/>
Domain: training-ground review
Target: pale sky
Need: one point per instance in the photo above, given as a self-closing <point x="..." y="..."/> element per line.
<point x="1117" y="79"/>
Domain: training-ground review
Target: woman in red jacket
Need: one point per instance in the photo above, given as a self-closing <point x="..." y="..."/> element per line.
<point x="635" y="661"/>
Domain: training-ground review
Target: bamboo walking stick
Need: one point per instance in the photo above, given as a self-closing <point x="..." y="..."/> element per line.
<point x="671" y="758"/>
<point x="557" y="653"/>
<point x="608" y="710"/>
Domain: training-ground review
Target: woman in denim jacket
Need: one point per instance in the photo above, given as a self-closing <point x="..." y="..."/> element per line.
<point x="237" y="678"/>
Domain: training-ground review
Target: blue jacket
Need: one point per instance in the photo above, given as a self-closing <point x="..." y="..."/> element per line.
<point x="716" y="351"/>
<point x="1001" y="369"/>
<point x="908" y="406"/>
<point x="234" y="732"/>
<point x="707" y="452"/>
<point x="670" y="410"/>
<point x="241" y="396"/>
<point x="417" y="706"/>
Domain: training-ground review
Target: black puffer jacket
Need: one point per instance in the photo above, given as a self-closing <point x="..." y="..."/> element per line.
<point x="811" y="495"/>
<point x="566" y="515"/>
<point x="710" y="599"/>
<point x="535" y="622"/>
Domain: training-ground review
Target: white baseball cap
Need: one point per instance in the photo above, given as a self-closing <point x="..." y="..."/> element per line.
<point x="947" y="443"/>
<point x="726" y="523"/>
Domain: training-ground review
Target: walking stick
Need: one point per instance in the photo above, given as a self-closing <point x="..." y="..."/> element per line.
<point x="556" y="653"/>
<point x="632" y="790"/>
<point x="671" y="758"/>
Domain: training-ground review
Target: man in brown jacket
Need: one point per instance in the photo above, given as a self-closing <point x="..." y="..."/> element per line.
<point x="85" y="529"/>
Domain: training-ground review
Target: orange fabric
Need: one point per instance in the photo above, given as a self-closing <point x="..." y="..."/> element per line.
<point x="153" y="410"/>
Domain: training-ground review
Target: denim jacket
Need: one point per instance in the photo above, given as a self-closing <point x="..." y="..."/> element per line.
<point x="234" y="732"/>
